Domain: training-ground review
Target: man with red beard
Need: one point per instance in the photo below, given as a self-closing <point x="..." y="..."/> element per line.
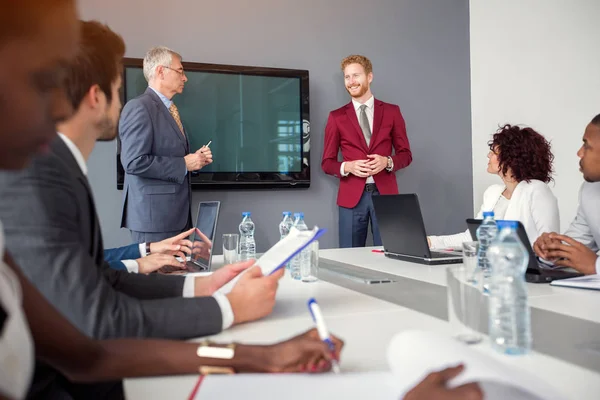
<point x="365" y="130"/>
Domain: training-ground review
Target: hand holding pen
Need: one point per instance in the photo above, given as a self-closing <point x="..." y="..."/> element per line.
<point x="323" y="332"/>
<point x="206" y="153"/>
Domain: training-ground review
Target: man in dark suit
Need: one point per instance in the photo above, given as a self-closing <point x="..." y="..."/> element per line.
<point x="54" y="234"/>
<point x="365" y="130"/>
<point x="155" y="153"/>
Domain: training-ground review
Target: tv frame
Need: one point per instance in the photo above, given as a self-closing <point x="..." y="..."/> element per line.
<point x="237" y="180"/>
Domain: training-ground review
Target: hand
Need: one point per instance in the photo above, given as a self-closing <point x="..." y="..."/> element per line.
<point x="175" y="246"/>
<point x="572" y="254"/>
<point x="433" y="387"/>
<point x="358" y="168"/>
<point x="253" y="296"/>
<point x="540" y="247"/>
<point x="207" y="285"/>
<point x="194" y="161"/>
<point x="303" y="353"/>
<point x="155" y="261"/>
<point x="377" y="163"/>
<point x="202" y="247"/>
<point x="206" y="153"/>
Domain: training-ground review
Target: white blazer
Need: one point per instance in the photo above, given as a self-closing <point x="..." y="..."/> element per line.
<point x="533" y="204"/>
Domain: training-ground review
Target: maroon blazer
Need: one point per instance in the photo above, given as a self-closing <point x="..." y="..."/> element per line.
<point x="343" y="131"/>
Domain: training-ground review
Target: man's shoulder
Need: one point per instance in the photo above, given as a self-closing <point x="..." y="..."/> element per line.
<point x="144" y="100"/>
<point x="340" y="111"/>
<point x="386" y="105"/>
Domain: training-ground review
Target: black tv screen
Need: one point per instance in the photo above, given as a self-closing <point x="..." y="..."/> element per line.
<point x="257" y="120"/>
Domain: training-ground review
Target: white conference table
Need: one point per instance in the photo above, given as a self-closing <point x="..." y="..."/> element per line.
<point x="367" y="324"/>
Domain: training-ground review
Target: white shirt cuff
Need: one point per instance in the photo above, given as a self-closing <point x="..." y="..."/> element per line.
<point x="226" y="311"/>
<point x="189" y="286"/>
<point x="598" y="265"/>
<point x="131" y="265"/>
<point x="342" y="173"/>
<point x="143" y="249"/>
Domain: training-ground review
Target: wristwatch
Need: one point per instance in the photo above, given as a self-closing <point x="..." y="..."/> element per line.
<point x="208" y="349"/>
<point x="148" y="248"/>
<point x="390" y="164"/>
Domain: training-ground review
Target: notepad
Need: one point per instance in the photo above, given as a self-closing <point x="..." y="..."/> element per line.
<point x="282" y="252"/>
<point x="591" y="282"/>
<point x="411" y="356"/>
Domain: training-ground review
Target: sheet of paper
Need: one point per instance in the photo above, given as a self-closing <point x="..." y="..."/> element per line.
<point x="278" y="255"/>
<point x="327" y="386"/>
<point x="414" y="354"/>
<point x="580" y="282"/>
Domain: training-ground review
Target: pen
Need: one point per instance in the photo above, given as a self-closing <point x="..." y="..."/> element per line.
<point x="378" y="251"/>
<point x="315" y="311"/>
<point x="208" y="144"/>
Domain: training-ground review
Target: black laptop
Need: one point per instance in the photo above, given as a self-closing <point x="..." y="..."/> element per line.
<point x="537" y="271"/>
<point x="403" y="231"/>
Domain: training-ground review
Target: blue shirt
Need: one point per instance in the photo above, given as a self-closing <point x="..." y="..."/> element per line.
<point x="163" y="98"/>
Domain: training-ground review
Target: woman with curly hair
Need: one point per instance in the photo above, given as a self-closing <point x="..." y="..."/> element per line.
<point x="522" y="158"/>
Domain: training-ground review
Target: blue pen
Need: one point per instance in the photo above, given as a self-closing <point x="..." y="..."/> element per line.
<point x="315" y="311"/>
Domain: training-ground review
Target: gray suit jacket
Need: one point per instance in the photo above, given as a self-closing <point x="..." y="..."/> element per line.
<point x="53" y="233"/>
<point x="157" y="190"/>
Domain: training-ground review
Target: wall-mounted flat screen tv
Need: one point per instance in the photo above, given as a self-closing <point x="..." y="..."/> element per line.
<point x="256" y="118"/>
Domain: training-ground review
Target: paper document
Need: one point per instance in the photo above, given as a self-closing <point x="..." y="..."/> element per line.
<point x="411" y="355"/>
<point x="352" y="386"/>
<point x="580" y="282"/>
<point x="414" y="354"/>
<point x="282" y="252"/>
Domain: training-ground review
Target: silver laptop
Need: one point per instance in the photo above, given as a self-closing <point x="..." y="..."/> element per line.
<point x="202" y="244"/>
<point x="403" y="231"/>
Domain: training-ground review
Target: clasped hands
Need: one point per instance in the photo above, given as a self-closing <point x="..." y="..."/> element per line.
<point x="564" y="251"/>
<point x="365" y="168"/>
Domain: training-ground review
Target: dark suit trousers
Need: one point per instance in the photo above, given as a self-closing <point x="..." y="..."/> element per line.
<point x="354" y="222"/>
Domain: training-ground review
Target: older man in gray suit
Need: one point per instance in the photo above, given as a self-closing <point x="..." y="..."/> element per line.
<point x="155" y="153"/>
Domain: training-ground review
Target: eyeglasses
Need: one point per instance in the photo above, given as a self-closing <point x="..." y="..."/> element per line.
<point x="181" y="72"/>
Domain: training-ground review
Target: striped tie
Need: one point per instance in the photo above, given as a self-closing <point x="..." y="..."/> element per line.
<point x="175" y="113"/>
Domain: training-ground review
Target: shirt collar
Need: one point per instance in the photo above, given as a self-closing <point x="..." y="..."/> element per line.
<point x="369" y="103"/>
<point x="76" y="153"/>
<point x="166" y="101"/>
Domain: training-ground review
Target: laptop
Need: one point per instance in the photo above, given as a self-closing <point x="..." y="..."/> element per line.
<point x="201" y="257"/>
<point x="537" y="271"/>
<point x="403" y="231"/>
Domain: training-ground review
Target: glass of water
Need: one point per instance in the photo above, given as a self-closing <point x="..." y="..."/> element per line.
<point x="230" y="247"/>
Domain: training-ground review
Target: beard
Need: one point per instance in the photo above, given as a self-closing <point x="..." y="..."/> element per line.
<point x="108" y="129"/>
<point x="362" y="89"/>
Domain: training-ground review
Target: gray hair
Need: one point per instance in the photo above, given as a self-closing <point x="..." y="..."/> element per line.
<point x="158" y="56"/>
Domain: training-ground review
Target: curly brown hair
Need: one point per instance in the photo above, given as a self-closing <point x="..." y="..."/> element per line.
<point x="524" y="151"/>
<point x="357" y="59"/>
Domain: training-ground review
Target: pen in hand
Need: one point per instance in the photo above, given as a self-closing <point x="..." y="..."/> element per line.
<point x="315" y="311"/>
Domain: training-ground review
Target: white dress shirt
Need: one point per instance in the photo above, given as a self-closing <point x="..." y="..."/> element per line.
<point x="16" y="344"/>
<point x="369" y="110"/>
<point x="189" y="282"/>
<point x="533" y="204"/>
<point x="585" y="228"/>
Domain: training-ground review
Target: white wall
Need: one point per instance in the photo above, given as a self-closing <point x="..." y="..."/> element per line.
<point x="535" y="62"/>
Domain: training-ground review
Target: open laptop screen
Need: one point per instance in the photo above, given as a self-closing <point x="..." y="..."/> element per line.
<point x="206" y="222"/>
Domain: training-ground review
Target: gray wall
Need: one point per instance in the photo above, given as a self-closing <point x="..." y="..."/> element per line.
<point x="420" y="53"/>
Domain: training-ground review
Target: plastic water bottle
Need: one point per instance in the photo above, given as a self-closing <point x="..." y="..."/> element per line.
<point x="300" y="260"/>
<point x="284" y="228"/>
<point x="247" y="243"/>
<point x="509" y="314"/>
<point x="486" y="233"/>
